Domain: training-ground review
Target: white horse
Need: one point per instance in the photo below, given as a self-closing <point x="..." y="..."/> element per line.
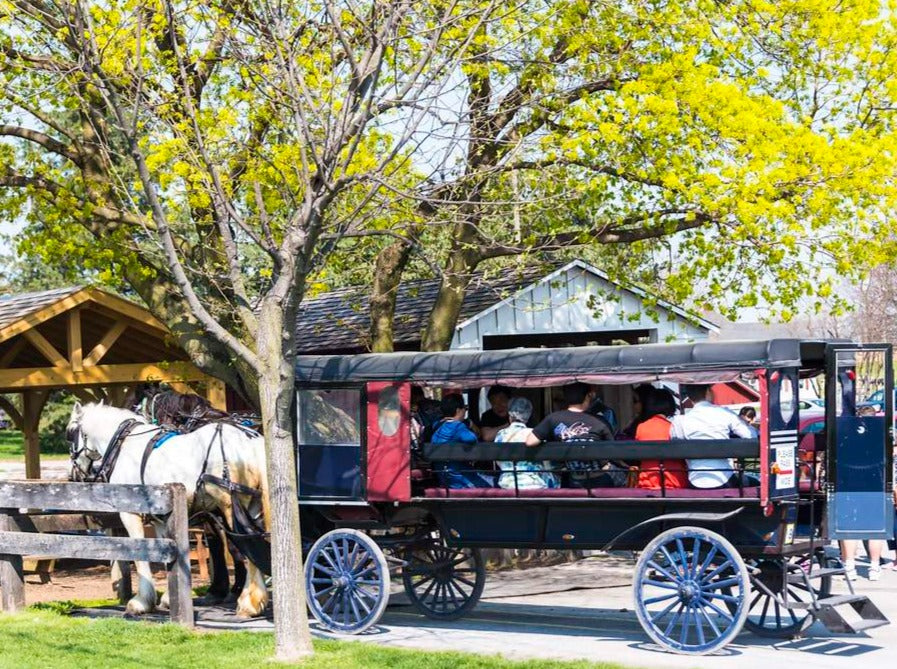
<point x="179" y="459"/>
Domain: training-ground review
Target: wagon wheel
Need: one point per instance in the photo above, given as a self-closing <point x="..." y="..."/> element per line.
<point x="766" y="615"/>
<point x="346" y="581"/>
<point x="686" y="580"/>
<point x="443" y="583"/>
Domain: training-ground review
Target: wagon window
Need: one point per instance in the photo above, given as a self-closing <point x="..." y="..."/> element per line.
<point x="783" y="400"/>
<point x="328" y="430"/>
<point x="787" y="399"/>
<point x="329" y="417"/>
<point x="388" y="413"/>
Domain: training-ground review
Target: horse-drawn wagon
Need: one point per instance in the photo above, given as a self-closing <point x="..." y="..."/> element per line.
<point x="712" y="560"/>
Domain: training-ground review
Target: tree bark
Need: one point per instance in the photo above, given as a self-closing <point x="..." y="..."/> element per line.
<point x="447" y="307"/>
<point x="292" y="638"/>
<point x="391" y="262"/>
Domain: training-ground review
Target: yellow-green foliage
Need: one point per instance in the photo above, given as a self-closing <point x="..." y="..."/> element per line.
<point x="749" y="144"/>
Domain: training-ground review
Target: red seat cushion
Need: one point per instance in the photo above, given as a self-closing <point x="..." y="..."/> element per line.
<point x="702" y="493"/>
<point x="602" y="493"/>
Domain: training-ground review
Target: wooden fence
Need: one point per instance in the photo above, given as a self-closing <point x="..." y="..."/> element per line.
<point x="169" y="500"/>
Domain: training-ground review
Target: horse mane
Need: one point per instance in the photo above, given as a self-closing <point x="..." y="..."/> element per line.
<point x="122" y="414"/>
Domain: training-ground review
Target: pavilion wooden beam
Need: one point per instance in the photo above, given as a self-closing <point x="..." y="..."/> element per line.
<point x="37" y="340"/>
<point x="73" y="331"/>
<point x="13" y="351"/>
<point x="106" y="302"/>
<point x="14" y="380"/>
<point x="182" y="388"/>
<point x="33" y="403"/>
<point x="12" y="412"/>
<point x="34" y="319"/>
<point x="215" y="393"/>
<point x="105" y="344"/>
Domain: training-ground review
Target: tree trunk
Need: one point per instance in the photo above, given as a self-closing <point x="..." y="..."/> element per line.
<point x="292" y="638"/>
<point x="391" y="262"/>
<point x="444" y="316"/>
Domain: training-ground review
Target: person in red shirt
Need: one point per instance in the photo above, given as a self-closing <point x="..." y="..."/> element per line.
<point x="660" y="406"/>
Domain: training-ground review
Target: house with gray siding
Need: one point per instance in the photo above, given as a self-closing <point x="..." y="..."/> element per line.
<point x="572" y="305"/>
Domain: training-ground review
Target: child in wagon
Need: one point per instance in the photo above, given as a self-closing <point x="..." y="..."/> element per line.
<point x="453" y="429"/>
<point x="529" y="475"/>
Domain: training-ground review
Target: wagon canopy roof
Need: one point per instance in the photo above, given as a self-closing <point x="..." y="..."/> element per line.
<point x="695" y="362"/>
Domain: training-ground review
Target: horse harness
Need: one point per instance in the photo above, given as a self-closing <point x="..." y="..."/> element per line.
<point x="247" y="533"/>
<point x="109" y="458"/>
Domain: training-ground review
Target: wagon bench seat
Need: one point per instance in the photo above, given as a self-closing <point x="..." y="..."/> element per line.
<point x="603" y="493"/>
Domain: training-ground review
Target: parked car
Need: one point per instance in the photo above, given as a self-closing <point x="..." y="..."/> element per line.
<point x="875" y="400"/>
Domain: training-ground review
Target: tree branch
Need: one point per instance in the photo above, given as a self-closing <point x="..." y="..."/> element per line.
<point x="109" y="93"/>
<point x="42" y="139"/>
<point x="605" y="234"/>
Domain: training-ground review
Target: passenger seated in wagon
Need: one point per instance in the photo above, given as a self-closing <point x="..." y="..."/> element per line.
<point x="496" y="417"/>
<point x="574" y="424"/>
<point x="521" y="475"/>
<point x="706" y="420"/>
<point x="451" y="430"/>
<point x="659" y="409"/>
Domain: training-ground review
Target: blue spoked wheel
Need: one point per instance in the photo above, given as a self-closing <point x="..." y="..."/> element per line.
<point x="346" y="581"/>
<point x="441" y="582"/>
<point x="691" y="589"/>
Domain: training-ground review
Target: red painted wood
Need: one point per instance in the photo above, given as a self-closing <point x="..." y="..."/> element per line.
<point x="764" y="437"/>
<point x="388" y="457"/>
<point x="734" y="393"/>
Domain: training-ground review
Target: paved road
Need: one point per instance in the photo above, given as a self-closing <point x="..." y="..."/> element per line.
<point x="599" y="624"/>
<point x="50" y="469"/>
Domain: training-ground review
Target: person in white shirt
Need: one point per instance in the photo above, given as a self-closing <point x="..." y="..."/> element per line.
<point x="706" y="420"/>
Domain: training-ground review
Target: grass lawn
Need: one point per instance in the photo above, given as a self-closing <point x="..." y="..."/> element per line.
<point x="12" y="447"/>
<point x="11" y="443"/>
<point x="42" y="637"/>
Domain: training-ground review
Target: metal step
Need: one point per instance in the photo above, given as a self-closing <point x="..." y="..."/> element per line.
<point x="869" y="615"/>
<point x="834" y="600"/>
<point x="816" y="573"/>
<point x="862" y="625"/>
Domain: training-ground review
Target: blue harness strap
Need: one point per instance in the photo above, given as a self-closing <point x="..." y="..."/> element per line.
<point x="163" y="438"/>
<point x="154" y="443"/>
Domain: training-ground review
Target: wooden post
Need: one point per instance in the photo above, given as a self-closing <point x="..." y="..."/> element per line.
<point x="180" y="589"/>
<point x="12" y="577"/>
<point x="116" y="395"/>
<point x="32" y="404"/>
<point x="215" y="393"/>
<point x="76" y="355"/>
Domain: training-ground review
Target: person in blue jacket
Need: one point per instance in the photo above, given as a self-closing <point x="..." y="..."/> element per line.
<point x="452" y="430"/>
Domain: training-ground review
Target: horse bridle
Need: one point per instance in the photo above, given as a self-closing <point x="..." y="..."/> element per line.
<point x="75" y="437"/>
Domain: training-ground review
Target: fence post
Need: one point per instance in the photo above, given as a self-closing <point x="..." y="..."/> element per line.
<point x="180" y="592"/>
<point x="12" y="577"/>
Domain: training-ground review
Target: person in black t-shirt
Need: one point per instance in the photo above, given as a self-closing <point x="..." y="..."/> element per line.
<point x="496" y="418"/>
<point x="574" y="424"/>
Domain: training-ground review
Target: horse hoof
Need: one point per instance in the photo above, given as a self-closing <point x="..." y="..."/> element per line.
<point x="245" y="615"/>
<point x="136" y="608"/>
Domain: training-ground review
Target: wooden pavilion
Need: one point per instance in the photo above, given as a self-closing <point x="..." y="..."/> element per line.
<point x="91" y="343"/>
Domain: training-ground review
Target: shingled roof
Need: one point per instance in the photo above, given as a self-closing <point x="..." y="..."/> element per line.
<point x="339" y="321"/>
<point x="16" y="307"/>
